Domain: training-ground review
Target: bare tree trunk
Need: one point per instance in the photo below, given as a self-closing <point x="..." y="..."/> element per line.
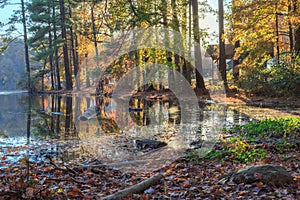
<point x="68" y="75"/>
<point x="297" y="41"/>
<point x="222" y="58"/>
<point x="73" y="53"/>
<point x="176" y="28"/>
<point x="56" y="49"/>
<point x="50" y="47"/>
<point x="164" y="6"/>
<point x="94" y="33"/>
<point x="291" y="35"/>
<point x="277" y="34"/>
<point x="200" y="85"/>
<point x="26" y="47"/>
<point x="185" y="68"/>
<point x="297" y="32"/>
<point x="236" y="72"/>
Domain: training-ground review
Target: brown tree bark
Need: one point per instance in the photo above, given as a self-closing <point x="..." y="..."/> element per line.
<point x="68" y="75"/>
<point x="26" y="47"/>
<point x="297" y="41"/>
<point x="222" y="58"/>
<point x="56" y="57"/>
<point x="200" y="85"/>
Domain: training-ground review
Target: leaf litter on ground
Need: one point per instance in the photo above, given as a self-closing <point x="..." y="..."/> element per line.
<point x="53" y="176"/>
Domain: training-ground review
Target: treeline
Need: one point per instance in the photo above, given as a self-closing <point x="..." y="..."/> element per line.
<point x="68" y="34"/>
<point x="12" y="66"/>
<point x="266" y="36"/>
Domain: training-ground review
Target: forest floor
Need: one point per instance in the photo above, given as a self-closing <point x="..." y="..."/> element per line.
<point x="189" y="177"/>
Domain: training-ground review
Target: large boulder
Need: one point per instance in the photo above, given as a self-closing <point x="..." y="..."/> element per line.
<point x="268" y="174"/>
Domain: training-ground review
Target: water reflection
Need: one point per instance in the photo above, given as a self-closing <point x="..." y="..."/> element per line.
<point x="47" y="119"/>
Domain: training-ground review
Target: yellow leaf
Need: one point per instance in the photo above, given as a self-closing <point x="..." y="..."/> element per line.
<point x="60" y="190"/>
<point x="168" y="172"/>
<point x="23" y="162"/>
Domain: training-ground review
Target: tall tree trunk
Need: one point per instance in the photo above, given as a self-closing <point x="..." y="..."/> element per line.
<point x="291" y="35"/>
<point x="277" y="34"/>
<point x="175" y="24"/>
<point x="43" y="76"/>
<point x="73" y="53"/>
<point x="87" y="76"/>
<point x="185" y="67"/>
<point x="50" y="47"/>
<point x="189" y="64"/>
<point x="297" y="32"/>
<point x="56" y="48"/>
<point x="68" y="74"/>
<point x="222" y="58"/>
<point x="236" y="71"/>
<point x="26" y="47"/>
<point x="200" y="85"/>
<point x="297" y="41"/>
<point x="94" y="33"/>
<point x="164" y="6"/>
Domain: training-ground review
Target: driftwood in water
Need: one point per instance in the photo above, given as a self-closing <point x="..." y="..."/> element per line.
<point x="135" y="189"/>
<point x="90" y="113"/>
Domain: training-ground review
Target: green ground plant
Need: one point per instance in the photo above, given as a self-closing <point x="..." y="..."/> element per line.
<point x="254" y="141"/>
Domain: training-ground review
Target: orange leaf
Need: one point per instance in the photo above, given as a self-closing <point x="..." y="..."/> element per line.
<point x="260" y="184"/>
<point x="168" y="172"/>
<point x="243" y="192"/>
<point x="3" y="158"/>
<point x="47" y="169"/>
<point x="296" y="178"/>
<point x="30" y="191"/>
<point x="74" y="192"/>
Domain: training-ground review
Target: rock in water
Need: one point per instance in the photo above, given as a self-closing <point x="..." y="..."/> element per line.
<point x="149" y="144"/>
<point x="268" y="174"/>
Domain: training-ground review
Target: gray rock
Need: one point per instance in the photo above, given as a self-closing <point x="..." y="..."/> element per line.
<point x="146" y="144"/>
<point x="268" y="174"/>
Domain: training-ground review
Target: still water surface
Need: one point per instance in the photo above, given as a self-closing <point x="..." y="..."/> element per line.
<point x="50" y="125"/>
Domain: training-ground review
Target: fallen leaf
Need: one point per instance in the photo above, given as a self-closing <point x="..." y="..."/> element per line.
<point x="260" y="184"/>
<point x="169" y="172"/>
<point x="30" y="192"/>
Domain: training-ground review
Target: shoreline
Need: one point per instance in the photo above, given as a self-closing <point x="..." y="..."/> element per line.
<point x="231" y="98"/>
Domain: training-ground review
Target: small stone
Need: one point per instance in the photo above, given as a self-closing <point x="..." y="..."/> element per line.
<point x="149" y="191"/>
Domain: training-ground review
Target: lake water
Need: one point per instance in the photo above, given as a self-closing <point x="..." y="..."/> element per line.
<point x="49" y="125"/>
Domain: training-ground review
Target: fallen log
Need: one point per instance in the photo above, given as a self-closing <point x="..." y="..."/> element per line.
<point x="135" y="189"/>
